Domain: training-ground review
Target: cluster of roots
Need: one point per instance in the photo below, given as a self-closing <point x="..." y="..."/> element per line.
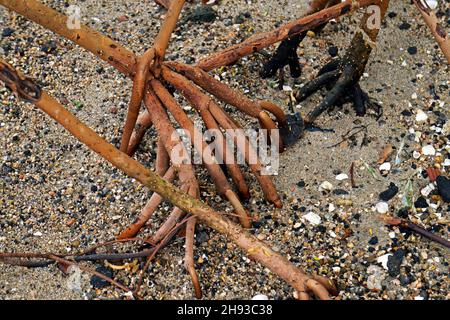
<point x="154" y="83"/>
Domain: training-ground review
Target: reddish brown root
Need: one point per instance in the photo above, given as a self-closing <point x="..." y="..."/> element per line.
<point x="318" y="289"/>
<point x="205" y="105"/>
<point x="163" y="3"/>
<point x="328" y="284"/>
<point x="143" y="123"/>
<point x="189" y="257"/>
<point x="164" y="34"/>
<point x="249" y="153"/>
<point x="162" y="159"/>
<point x="210" y="163"/>
<point x="142" y="69"/>
<point x="268" y="124"/>
<point x="240" y="210"/>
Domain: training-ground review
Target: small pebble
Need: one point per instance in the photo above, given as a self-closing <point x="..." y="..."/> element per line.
<point x="373" y="241"/>
<point x="421" y="202"/>
<point x="312" y="218"/>
<point x="412" y="50"/>
<point x="389" y="193"/>
<point x="382" y="207"/>
<point x="443" y="185"/>
<point x="333" y="51"/>
<point x="384" y="260"/>
<point x="421" y="116"/>
<point x="326" y="186"/>
<point x="385" y="166"/>
<point x="427" y="190"/>
<point x="428" y="150"/>
<point x="341" y="177"/>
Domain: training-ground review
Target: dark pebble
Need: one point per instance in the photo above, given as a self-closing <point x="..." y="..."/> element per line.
<point x="301" y="184"/>
<point x="339" y="192"/>
<point x="443" y="185"/>
<point x="7" y="32"/>
<point x="321" y="229"/>
<point x="202" y="236"/>
<point x="373" y="241"/>
<point x="99" y="283"/>
<point x="389" y="193"/>
<point x="49" y="47"/>
<point x="404" y="26"/>
<point x="404" y="280"/>
<point x="424" y="294"/>
<point x="257" y="224"/>
<point x="333" y="51"/>
<point x="403" y="213"/>
<point x="421" y="202"/>
<point x="392" y="14"/>
<point x="412" y="50"/>
<point x="240" y="18"/>
<point x="394" y="263"/>
<point x="406" y="113"/>
<point x="202" y="14"/>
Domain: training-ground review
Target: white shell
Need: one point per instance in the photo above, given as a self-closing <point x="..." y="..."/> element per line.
<point x="384" y="260"/>
<point x="341" y="177"/>
<point x="312" y="218"/>
<point x="432" y="4"/>
<point x="428" y="150"/>
<point x="421" y="116"/>
<point x="326" y="186"/>
<point x="382" y="207"/>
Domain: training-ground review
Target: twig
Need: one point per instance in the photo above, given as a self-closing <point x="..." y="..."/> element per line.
<point x="108" y="243"/>
<point x="49" y="256"/>
<point x="416" y="228"/>
<point x="350" y="135"/>
<point x="352" y="175"/>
